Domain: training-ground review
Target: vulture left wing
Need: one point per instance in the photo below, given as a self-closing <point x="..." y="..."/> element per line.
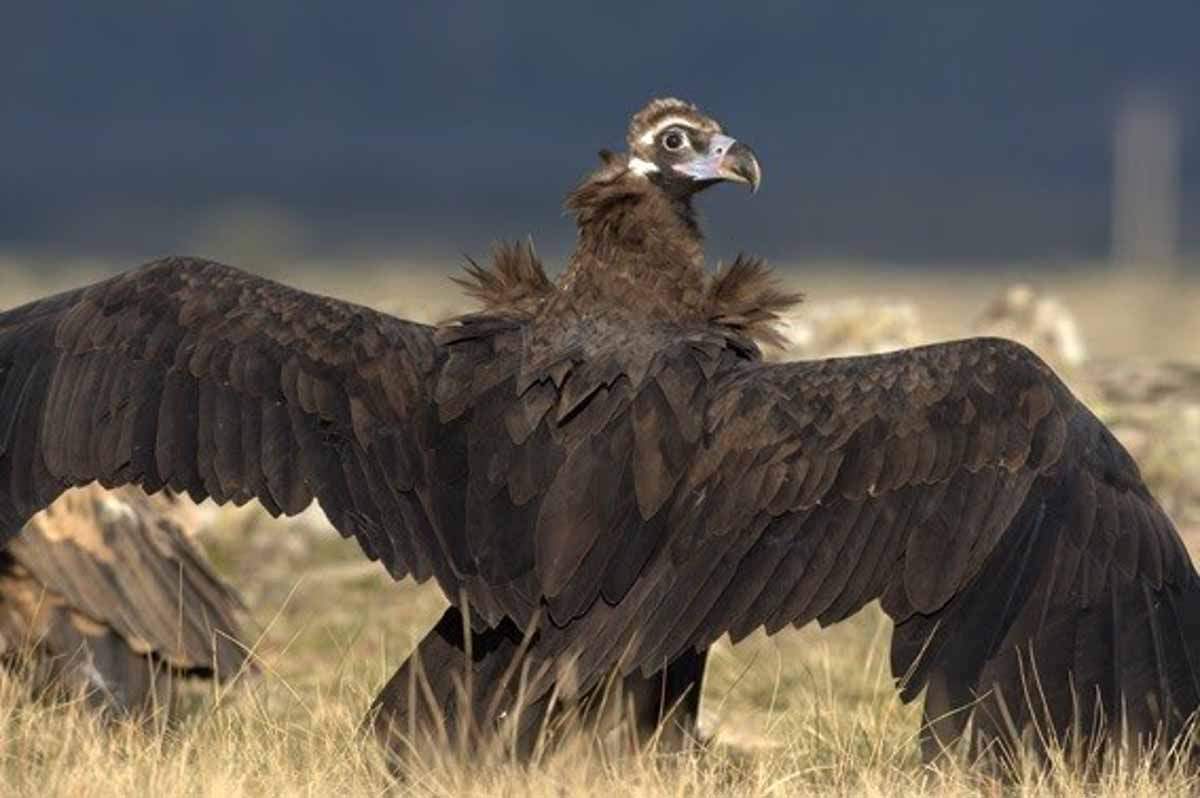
<point x="214" y="382"/>
<point x="1006" y="531"/>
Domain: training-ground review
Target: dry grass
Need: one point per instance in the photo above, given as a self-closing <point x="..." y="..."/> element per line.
<point x="808" y="712"/>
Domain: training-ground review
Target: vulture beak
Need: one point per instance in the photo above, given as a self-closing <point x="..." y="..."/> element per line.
<point x="726" y="159"/>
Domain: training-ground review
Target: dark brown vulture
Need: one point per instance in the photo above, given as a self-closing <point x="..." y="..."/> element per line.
<point x="606" y="472"/>
<point x="102" y="594"/>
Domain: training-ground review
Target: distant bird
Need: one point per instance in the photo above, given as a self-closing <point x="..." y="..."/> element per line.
<point x="606" y="473"/>
<point x="103" y="595"/>
<point x="1042" y="322"/>
<point x="848" y="327"/>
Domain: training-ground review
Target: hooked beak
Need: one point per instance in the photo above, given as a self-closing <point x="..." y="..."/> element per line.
<point x="726" y="159"/>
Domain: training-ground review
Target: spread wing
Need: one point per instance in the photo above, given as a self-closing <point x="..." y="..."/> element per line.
<point x="1008" y="534"/>
<point x="195" y="376"/>
<point x="123" y="560"/>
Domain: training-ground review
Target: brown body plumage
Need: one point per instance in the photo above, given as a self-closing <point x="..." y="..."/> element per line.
<point x="103" y="594"/>
<point x="605" y="466"/>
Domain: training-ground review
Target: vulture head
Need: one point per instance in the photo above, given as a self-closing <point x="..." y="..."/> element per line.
<point x="675" y="145"/>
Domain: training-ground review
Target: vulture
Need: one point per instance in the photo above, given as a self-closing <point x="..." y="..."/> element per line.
<point x="604" y="476"/>
<point x="103" y="594"/>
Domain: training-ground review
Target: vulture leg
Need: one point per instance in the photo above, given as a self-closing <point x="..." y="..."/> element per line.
<point x="461" y="684"/>
<point x="116" y="681"/>
<point x="119" y="682"/>
<point x="667" y="703"/>
<point x="944" y="718"/>
<point x="62" y="654"/>
<point x="459" y="688"/>
<point x="126" y="683"/>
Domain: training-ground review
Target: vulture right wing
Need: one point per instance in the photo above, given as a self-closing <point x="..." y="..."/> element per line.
<point x="1008" y="534"/>
<point x="193" y="375"/>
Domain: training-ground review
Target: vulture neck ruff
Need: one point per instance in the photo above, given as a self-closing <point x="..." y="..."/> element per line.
<point x="639" y="256"/>
<point x="638" y="246"/>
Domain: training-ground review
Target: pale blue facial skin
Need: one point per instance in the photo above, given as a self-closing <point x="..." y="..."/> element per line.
<point x="715" y="165"/>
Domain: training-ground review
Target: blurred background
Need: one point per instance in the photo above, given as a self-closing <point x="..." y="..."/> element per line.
<point x="931" y="152"/>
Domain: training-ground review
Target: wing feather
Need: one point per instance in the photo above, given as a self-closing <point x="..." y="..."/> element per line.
<point x="963" y="485"/>
<point x="217" y="383"/>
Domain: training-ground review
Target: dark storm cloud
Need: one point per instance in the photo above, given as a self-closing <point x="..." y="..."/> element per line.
<point x="921" y="130"/>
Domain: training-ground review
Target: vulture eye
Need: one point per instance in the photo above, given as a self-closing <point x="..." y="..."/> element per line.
<point x="674" y="140"/>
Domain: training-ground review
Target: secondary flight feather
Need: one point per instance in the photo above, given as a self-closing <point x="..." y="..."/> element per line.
<point x="603" y="475"/>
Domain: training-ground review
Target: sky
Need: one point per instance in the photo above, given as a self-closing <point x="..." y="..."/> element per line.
<point x="916" y="131"/>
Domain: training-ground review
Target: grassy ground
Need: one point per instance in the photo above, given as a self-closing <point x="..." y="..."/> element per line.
<point x="806" y="712"/>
